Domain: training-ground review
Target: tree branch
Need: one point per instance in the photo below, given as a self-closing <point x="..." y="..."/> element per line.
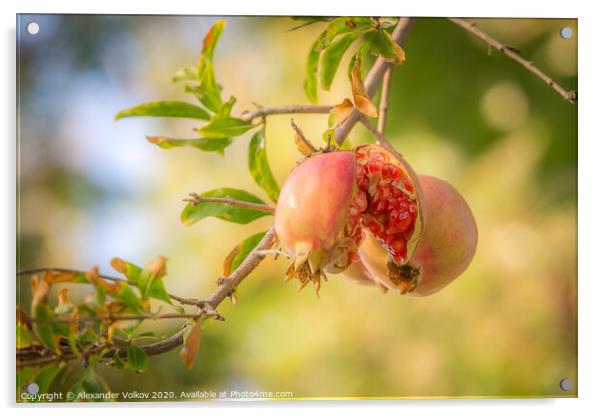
<point x="383" y="107"/>
<point x="570" y="96"/>
<point x="286" y="109"/>
<point x="375" y="76"/>
<point x="196" y="199"/>
<point x="379" y="137"/>
<point x="226" y="286"/>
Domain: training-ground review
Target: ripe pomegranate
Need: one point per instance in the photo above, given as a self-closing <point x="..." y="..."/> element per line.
<point x="362" y="212"/>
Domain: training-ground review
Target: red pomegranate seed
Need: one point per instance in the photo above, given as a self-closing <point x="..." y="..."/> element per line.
<point x="378" y="206"/>
<point x="361" y="201"/>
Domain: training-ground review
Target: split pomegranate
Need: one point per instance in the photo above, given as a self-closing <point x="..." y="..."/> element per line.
<point x="360" y="212"/>
<point x="445" y="250"/>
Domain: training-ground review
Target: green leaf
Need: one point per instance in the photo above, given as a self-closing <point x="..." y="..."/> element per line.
<point x="164" y="109"/>
<point x="311" y="70"/>
<point x="133" y="272"/>
<point x="219" y="128"/>
<point x="382" y="44"/>
<point x="45" y="377"/>
<point x="118" y="363"/>
<point x="126" y="295"/>
<point x="207" y="91"/>
<point x="24" y="376"/>
<point x="343" y="25"/>
<point x="149" y="334"/>
<point x="23" y="336"/>
<point x="137" y="359"/>
<point x="240" y="252"/>
<point x="211" y="39"/>
<point x="241" y="215"/>
<point x="89" y="383"/>
<point x="259" y="166"/>
<point x="158" y="291"/>
<point x="360" y="56"/>
<point x="43" y="331"/>
<point x="189" y="73"/>
<point x="226" y="108"/>
<point x="331" y="58"/>
<point x="206" y="145"/>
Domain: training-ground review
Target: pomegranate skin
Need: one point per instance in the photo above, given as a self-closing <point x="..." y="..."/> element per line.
<point x="312" y="208"/>
<point x="445" y="250"/>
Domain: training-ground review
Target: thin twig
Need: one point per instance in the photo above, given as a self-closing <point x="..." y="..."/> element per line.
<point x="120" y="318"/>
<point x="375" y="76"/>
<point x="196" y="199"/>
<point x="383" y="107"/>
<point x="378" y="136"/>
<point x="570" y="96"/>
<point x="226" y="287"/>
<point x="286" y="109"/>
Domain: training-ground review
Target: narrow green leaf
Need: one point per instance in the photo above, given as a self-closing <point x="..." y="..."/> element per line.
<point x="149" y="334"/>
<point x="43" y="331"/>
<point x="259" y="166"/>
<point x="226" y="108"/>
<point x="307" y="20"/>
<point x="219" y="128"/>
<point x="211" y="38"/>
<point x="45" y="377"/>
<point x="240" y="252"/>
<point x="137" y="359"/>
<point x="164" y="109"/>
<point x="331" y="58"/>
<point x="241" y="215"/>
<point x="311" y="70"/>
<point x="118" y="363"/>
<point x="360" y="56"/>
<point x="204" y="144"/>
<point x="207" y="90"/>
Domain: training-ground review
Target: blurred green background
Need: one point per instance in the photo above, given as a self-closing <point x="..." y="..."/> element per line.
<point x="91" y="189"/>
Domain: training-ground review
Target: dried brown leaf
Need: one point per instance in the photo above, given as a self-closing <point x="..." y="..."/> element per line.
<point x="229" y="259"/>
<point x="341" y="111"/>
<point x="39" y="290"/>
<point x="62" y="296"/>
<point x="192" y="343"/>
<point x="360" y="96"/>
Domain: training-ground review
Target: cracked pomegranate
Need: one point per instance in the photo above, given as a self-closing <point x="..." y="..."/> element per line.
<point x="362" y="212"/>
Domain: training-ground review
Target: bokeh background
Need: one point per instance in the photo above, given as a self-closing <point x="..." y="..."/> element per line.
<point x="91" y="189"/>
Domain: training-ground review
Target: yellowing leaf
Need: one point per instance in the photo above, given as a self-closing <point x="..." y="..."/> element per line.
<point x="360" y="96"/>
<point x="192" y="343"/>
<point x="59" y="277"/>
<point x="158" y="266"/>
<point x="340" y="112"/>
<point x="39" y="289"/>
<point x="211" y="38"/>
<point x="240" y="253"/>
<point x="62" y="296"/>
<point x="382" y="44"/>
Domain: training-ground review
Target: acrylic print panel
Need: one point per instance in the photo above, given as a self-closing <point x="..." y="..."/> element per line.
<point x="164" y="196"/>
